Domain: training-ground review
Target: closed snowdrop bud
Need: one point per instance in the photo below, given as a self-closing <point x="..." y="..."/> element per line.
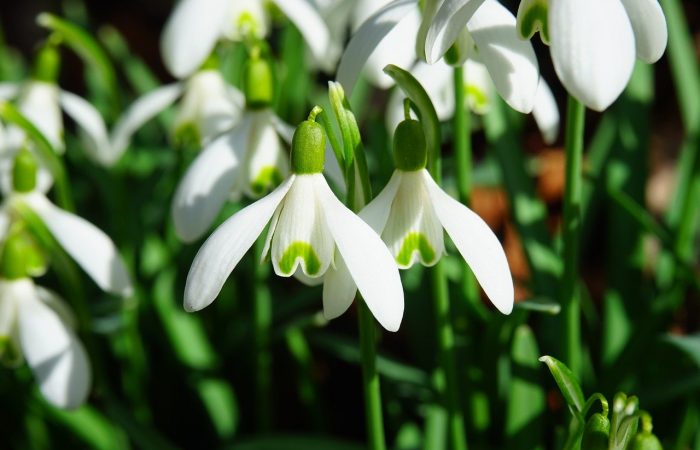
<point x="645" y="441"/>
<point x="24" y="172"/>
<point x="410" y="149"/>
<point x="47" y="63"/>
<point x="596" y="433"/>
<point x="308" y="148"/>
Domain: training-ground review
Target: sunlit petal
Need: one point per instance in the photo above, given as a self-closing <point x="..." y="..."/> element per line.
<point x="304" y="15"/>
<point x="546" y="113"/>
<point x="650" y="30"/>
<point x="339" y="289"/>
<point x="450" y="19"/>
<point x="94" y="130"/>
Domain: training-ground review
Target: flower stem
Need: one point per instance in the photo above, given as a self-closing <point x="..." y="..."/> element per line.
<point x="370" y="379"/>
<point x="262" y="318"/>
<point x="571" y="223"/>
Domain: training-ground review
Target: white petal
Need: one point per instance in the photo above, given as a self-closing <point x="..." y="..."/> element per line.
<point x="226" y="246"/>
<point x="191" y="33"/>
<point x="368" y="260"/>
<point x="376" y="213"/>
<point x="479" y="87"/>
<point x="450" y="19"/>
<point x="39" y="103"/>
<point x="266" y="161"/>
<point x="308" y="20"/>
<point x="89" y="246"/>
<point x="592" y="46"/>
<point x="307" y="280"/>
<point x="94" y="130"/>
<point x="477" y="244"/>
<point x="650" y="30"/>
<point x="339" y="289"/>
<point x="58" y="305"/>
<point x="511" y="61"/>
<point x="366" y="39"/>
<point x="9" y="90"/>
<point x="8" y="309"/>
<point x="140" y="112"/>
<point x="207" y="184"/>
<point x="53" y="352"/>
<point x="301" y="237"/>
<point x="546" y="113"/>
<point x="4" y="223"/>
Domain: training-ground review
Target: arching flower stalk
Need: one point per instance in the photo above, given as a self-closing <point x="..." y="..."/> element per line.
<point x="311" y="234"/>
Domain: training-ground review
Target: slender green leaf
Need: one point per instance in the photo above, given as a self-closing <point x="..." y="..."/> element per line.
<point x="568" y="385"/>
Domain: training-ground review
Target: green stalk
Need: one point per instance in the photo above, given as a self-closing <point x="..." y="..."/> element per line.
<point x="370" y="378"/>
<point x="571" y="227"/>
<point x="262" y="320"/>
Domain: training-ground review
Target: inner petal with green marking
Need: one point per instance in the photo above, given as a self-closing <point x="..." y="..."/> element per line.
<point x="300" y="253"/>
<point x="267" y="179"/>
<point x="532" y="17"/>
<point x="416" y="243"/>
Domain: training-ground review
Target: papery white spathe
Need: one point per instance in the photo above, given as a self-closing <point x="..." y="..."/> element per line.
<point x="438" y="83"/>
<point x="208" y="103"/>
<point x="490" y="27"/>
<point x="594" y="43"/>
<point x="311" y="232"/>
<point x="410" y="214"/>
<point x="249" y="158"/>
<point x="39" y="325"/>
<point x="196" y="25"/>
<point x="89" y="246"/>
<point x="41" y="103"/>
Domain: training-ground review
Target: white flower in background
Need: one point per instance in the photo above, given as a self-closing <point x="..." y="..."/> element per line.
<point x="195" y="26"/>
<point x="36" y="325"/>
<point x="337" y="15"/>
<point x="485" y="31"/>
<point x="208" y="106"/>
<point x="250" y="159"/>
<point x="90" y="247"/>
<point x="311" y="234"/>
<point x="437" y="79"/>
<point x="412" y="211"/>
<point x="594" y="43"/>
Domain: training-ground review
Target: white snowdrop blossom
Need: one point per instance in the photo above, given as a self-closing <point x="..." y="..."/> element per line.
<point x="37" y="326"/>
<point x="594" y="43"/>
<point x="311" y="235"/>
<point x="484" y="29"/>
<point x="437" y="79"/>
<point x="195" y="26"/>
<point x="208" y="106"/>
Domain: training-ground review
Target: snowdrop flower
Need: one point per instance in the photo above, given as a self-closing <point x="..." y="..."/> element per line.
<point x="412" y="211"/>
<point x="36" y="325"/>
<point x="438" y="83"/>
<point x="594" y="42"/>
<point x="195" y="26"/>
<point x="484" y="30"/>
<point x="91" y="248"/>
<point x="208" y="106"/>
<point x="41" y="101"/>
<point x="311" y="234"/>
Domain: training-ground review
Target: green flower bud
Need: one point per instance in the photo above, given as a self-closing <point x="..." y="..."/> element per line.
<point x="597" y="433"/>
<point x="410" y="148"/>
<point x="24" y="171"/>
<point x="645" y="441"/>
<point x="308" y="148"/>
<point x="13" y="258"/>
<point x="258" y="83"/>
<point x="47" y="64"/>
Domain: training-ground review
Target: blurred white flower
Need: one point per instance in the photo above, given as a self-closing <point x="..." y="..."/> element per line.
<point x="311" y="234"/>
<point x="195" y="26"/>
<point x="37" y="325"/>
<point x="594" y="42"/>
<point x="208" y="106"/>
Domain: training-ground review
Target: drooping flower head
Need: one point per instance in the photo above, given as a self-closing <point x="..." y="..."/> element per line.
<point x="311" y="235"/>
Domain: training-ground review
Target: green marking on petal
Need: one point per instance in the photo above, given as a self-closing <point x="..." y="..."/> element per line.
<point x="415" y="242"/>
<point x="301" y="250"/>
<point x="478" y="99"/>
<point x="10" y="354"/>
<point x="247" y="25"/>
<point x="187" y="135"/>
<point x="267" y="179"/>
<point x="534" y="19"/>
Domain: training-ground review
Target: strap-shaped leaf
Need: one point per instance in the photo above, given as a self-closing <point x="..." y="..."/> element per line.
<point x="567" y="383"/>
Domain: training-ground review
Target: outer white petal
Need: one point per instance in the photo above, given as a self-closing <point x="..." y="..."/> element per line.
<point x="89" y="246"/>
<point x="511" y="61"/>
<point x="266" y="161"/>
<point x="368" y="260"/>
<point x="477" y="244"/>
<point x="308" y="20"/>
<point x="366" y="39"/>
<point x="650" y="30"/>
<point x="207" y="184"/>
<point x="191" y="33"/>
<point x="592" y="46"/>
<point x="53" y="352"/>
<point x="9" y="90"/>
<point x="140" y="112"/>
<point x="339" y="289"/>
<point x="94" y="130"/>
<point x="302" y="222"/>
<point x="376" y="213"/>
<point x="546" y="113"/>
<point x="450" y="19"/>
<point x="226" y="246"/>
<point x="39" y="103"/>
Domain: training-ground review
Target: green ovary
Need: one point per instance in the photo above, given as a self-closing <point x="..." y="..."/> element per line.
<point x="415" y="242"/>
<point x="536" y="17"/>
<point x="301" y="250"/>
<point x="267" y="178"/>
